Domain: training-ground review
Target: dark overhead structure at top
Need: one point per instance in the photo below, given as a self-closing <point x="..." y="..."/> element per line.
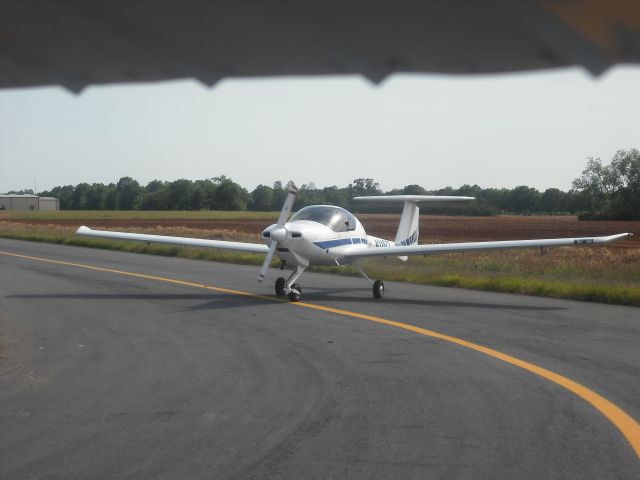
<point x="77" y="43"/>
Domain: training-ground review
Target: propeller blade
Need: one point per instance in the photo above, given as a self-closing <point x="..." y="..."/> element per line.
<point x="288" y="204"/>
<point x="284" y="214"/>
<point x="267" y="261"/>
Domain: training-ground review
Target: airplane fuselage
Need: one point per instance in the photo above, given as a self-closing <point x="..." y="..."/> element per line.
<point x="311" y="243"/>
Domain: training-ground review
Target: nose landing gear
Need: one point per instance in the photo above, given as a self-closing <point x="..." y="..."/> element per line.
<point x="288" y="287"/>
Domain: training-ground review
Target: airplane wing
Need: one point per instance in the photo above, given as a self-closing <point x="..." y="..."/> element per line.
<point x="185" y="241"/>
<point x="433" y="249"/>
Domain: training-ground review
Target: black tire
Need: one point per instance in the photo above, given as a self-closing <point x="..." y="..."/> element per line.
<point x="295" y="293"/>
<point x="378" y="289"/>
<point x="280" y="286"/>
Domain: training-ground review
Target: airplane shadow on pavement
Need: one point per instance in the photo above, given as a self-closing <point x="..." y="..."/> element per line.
<point x="331" y="295"/>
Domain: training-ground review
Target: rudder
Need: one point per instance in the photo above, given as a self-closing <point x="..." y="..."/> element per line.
<point x="408" y="229"/>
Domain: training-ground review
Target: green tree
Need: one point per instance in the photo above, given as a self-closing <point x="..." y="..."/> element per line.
<point x="365" y="186"/>
<point x="96" y="196"/>
<point x="197" y="198"/>
<point x="79" y="197"/>
<point x="179" y="194"/>
<point x="553" y="200"/>
<point x="279" y="194"/>
<point x="229" y="195"/>
<point x="309" y="195"/>
<point x="413" y="190"/>
<point x="524" y="199"/>
<point x="613" y="190"/>
<point x="110" y="197"/>
<point x="28" y="191"/>
<point x="497" y="198"/>
<point x="155" y="196"/>
<point x="128" y="192"/>
<point x="334" y="195"/>
<point x="626" y="178"/>
<point x="262" y="198"/>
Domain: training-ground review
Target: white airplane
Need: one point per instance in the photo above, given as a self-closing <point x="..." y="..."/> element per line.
<point x="330" y="235"/>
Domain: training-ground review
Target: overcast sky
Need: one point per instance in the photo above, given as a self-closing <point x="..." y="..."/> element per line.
<point x="533" y="129"/>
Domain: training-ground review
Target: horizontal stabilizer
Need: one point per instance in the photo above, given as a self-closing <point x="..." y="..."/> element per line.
<point x="414" y="198"/>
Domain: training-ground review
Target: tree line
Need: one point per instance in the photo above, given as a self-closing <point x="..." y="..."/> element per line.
<point x="602" y="191"/>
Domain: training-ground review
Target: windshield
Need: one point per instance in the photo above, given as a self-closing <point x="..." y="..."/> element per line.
<point x="336" y="218"/>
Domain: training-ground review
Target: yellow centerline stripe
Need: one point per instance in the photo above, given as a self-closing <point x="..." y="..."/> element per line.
<point x="623" y="421"/>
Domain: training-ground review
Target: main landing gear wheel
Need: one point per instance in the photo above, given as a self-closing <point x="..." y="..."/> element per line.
<point x="378" y="289"/>
<point x="294" y="294"/>
<point x="280" y="286"/>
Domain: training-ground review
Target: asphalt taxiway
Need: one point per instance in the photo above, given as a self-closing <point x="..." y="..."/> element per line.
<point x="117" y="365"/>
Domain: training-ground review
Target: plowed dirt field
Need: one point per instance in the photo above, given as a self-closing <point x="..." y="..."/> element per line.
<point x="432" y="228"/>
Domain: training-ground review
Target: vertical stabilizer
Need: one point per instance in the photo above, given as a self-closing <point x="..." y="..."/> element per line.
<point x="408" y="228"/>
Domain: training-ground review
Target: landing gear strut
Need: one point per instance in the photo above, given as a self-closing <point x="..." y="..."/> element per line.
<point x="288" y="287"/>
<point x="378" y="285"/>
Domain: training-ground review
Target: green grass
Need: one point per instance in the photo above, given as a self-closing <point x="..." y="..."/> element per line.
<point x="615" y="284"/>
<point x="594" y="274"/>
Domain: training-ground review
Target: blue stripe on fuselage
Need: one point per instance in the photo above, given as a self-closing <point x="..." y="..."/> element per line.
<point x="339" y="242"/>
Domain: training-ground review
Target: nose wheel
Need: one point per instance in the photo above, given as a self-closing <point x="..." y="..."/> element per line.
<point x="295" y="293"/>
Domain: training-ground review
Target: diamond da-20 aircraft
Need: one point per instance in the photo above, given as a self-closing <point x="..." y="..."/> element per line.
<point x="330" y="235"/>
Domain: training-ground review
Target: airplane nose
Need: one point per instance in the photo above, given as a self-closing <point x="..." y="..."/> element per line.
<point x="279" y="234"/>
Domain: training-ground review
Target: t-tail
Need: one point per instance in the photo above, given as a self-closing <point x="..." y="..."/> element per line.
<point x="408" y="229"/>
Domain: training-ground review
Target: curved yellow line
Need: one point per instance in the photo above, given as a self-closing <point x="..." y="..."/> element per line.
<point x="623" y="421"/>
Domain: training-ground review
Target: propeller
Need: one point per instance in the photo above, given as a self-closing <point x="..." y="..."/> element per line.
<point x="279" y="232"/>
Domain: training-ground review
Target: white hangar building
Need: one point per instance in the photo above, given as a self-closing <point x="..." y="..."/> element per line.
<point x="28" y="202"/>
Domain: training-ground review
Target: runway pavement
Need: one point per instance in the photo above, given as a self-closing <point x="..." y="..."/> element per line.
<point x="108" y="375"/>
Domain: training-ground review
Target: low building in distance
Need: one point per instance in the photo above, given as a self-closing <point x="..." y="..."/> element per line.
<point x="28" y="202"/>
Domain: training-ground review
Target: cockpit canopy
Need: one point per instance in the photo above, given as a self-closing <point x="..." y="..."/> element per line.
<point x="336" y="218"/>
